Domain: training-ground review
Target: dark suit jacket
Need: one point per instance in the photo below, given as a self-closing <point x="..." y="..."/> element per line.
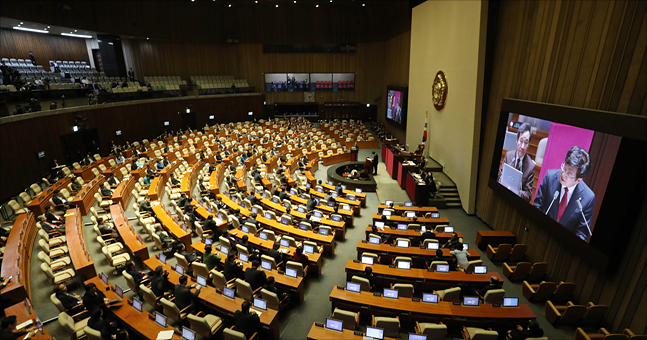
<point x="428" y="235"/>
<point x="255" y="278"/>
<point x="527" y="174"/>
<point x="526" y="333"/>
<point x="485" y="289"/>
<point x="159" y="285"/>
<point x="311" y="204"/>
<point x="277" y="255"/>
<point x="95" y="323"/>
<point x="68" y="300"/>
<point x="92" y="301"/>
<point x="247" y="323"/>
<point x="572" y="217"/>
<point x="50" y="217"/>
<point x="9" y="335"/>
<point x="232" y="270"/>
<point x="184" y="296"/>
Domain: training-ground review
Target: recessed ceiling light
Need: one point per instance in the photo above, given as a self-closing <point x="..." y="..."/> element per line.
<point x="48" y="27"/>
<point x="363" y="5"/>
<point x="229" y="5"/>
<point x="74" y="30"/>
<point x="295" y="1"/>
<point x="255" y="2"/>
<point x="147" y="38"/>
<point x="317" y="6"/>
<point x="29" y="29"/>
<point x="21" y="23"/>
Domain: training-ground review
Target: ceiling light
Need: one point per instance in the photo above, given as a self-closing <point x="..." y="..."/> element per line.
<point x="29" y="29"/>
<point x="295" y="1"/>
<point x="74" y="30"/>
<point x="229" y="5"/>
<point x="317" y="6"/>
<point x="255" y="2"/>
<point x="277" y="5"/>
<point x="21" y="23"/>
<point x="363" y="5"/>
<point x="147" y="38"/>
<point x="48" y="27"/>
<point x="77" y="35"/>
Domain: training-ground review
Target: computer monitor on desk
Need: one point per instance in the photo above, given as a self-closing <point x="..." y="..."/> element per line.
<point x="187" y="334"/>
<point x="471" y="301"/>
<point x="367" y="260"/>
<point x="480" y="269"/>
<point x="335" y="325"/>
<point x="449" y="229"/>
<point x="160" y="319"/>
<point x="137" y="305"/>
<point x="266" y="265"/>
<point x="411" y="214"/>
<point x="414" y="336"/>
<point x="402" y="226"/>
<point x="375" y="333"/>
<point x="373" y="240"/>
<point x="379" y="224"/>
<point x="308" y="249"/>
<point x="404" y="265"/>
<point x="353" y="287"/>
<point x="429" y="298"/>
<point x="442" y="268"/>
<point x="432" y="245"/>
<point x="388" y="203"/>
<point x="511" y="302"/>
<point x="390" y="293"/>
<point x="228" y="292"/>
<point x="403" y="243"/>
<point x="386" y="212"/>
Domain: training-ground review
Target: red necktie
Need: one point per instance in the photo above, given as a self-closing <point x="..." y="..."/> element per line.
<point x="562" y="205"/>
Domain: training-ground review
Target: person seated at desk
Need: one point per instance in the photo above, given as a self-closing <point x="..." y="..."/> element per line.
<point x="183" y="295"/>
<point x="210" y="259"/>
<point x="255" y="276"/>
<point x="461" y="256"/>
<point x="275" y="253"/>
<point x="232" y="240"/>
<point x="301" y="257"/>
<point x="452" y="243"/>
<point x="311" y="204"/>
<point x="494" y="284"/>
<point x="53" y="218"/>
<point x="246" y="322"/>
<point x="138" y="276"/>
<point x="94" y="298"/>
<point x="8" y="326"/>
<point x="368" y="274"/>
<point x="190" y="257"/>
<point x="114" y="181"/>
<point x="87" y="160"/>
<point x="147" y="180"/>
<point x="269" y="285"/>
<point x="174" y="181"/>
<point x="202" y="189"/>
<point x="168" y="242"/>
<point x="210" y="224"/>
<point x="133" y="165"/>
<point x="96" y="320"/>
<point x="60" y="200"/>
<point x="439" y="257"/>
<point x="107" y="228"/>
<point x="532" y="331"/>
<point x="160" y="284"/>
<point x="120" y="159"/>
<point x="145" y="205"/>
<point x="160" y="164"/>
<point x="105" y="192"/>
<point x="253" y="253"/>
<point x="232" y="269"/>
<point x="427" y="235"/>
<point x="72" y="302"/>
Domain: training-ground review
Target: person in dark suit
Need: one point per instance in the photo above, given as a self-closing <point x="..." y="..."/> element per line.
<point x="133" y="166"/>
<point x="311" y="204"/>
<point x="60" y="200"/>
<point x="32" y="58"/>
<point x="113" y="181"/>
<point x="254" y="276"/>
<point x="96" y="321"/>
<point x="376" y="159"/>
<point x="532" y="331"/>
<point x="131" y="75"/>
<point x="275" y="253"/>
<point x="53" y="218"/>
<point x="8" y="326"/>
<point x="94" y="298"/>
<point x="71" y="302"/>
<point x="232" y="269"/>
<point x="566" y="188"/>
<point x="439" y="257"/>
<point x="159" y="284"/>
<point x="137" y="275"/>
<point x="427" y="235"/>
<point x="246" y="322"/>
<point x="269" y="285"/>
<point x="521" y="161"/>
<point x="368" y="274"/>
<point x="183" y="295"/>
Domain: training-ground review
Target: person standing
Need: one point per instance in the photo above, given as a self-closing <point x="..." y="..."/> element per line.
<point x="32" y="58"/>
<point x="131" y="75"/>
<point x="376" y="159"/>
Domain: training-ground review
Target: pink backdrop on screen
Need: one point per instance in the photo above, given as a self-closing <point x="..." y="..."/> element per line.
<point x="562" y="138"/>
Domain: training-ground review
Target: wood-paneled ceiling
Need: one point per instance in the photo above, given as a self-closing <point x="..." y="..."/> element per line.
<point x="215" y="21"/>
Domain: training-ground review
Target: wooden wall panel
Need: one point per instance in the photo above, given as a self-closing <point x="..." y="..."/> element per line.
<point x="46" y="47"/>
<point x="589" y="54"/>
<point x="22" y="140"/>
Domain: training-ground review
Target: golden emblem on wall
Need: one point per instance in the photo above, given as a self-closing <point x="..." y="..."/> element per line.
<point x="439" y="90"/>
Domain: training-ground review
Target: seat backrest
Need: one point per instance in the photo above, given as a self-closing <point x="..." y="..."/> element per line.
<point x="472" y="264"/>
<point x="502" y="252"/>
<point x="594" y="315"/>
<point x="130" y="281"/>
<point x="537" y="271"/>
<point x="364" y="284"/>
<point x="572" y="315"/>
<point x="483" y="334"/>
<point x="391" y="326"/>
<point x="402" y="259"/>
<point x="272" y="299"/>
<point x="494" y="296"/>
<point x="170" y="310"/>
<point x="244" y="290"/>
<point x="199" y="324"/>
<point x="521" y="271"/>
<point x="348" y="318"/>
<point x="563" y="292"/>
<point x="434" y="331"/>
<point x="218" y="279"/>
<point x="544" y="291"/>
<point x="149" y="296"/>
<point x="297" y="266"/>
<point x="404" y="289"/>
<point x="57" y="302"/>
<point x="452" y="294"/>
<point x="270" y="260"/>
<point x="230" y="334"/>
<point x="518" y="253"/>
<point x="200" y="269"/>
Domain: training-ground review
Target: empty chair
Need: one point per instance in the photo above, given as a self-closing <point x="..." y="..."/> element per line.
<point x="244" y="290"/>
<point x="273" y="301"/>
<point x="479" y="333"/>
<point x="493" y="296"/>
<point x="173" y="312"/>
<point x="633" y="336"/>
<point x="518" y="272"/>
<point x="200" y="269"/>
<point x="391" y="326"/>
<point x="602" y="334"/>
<point x="364" y="284"/>
<point x="432" y="330"/>
<point x="450" y="294"/>
<point x="349" y="319"/>
<point x="563" y="292"/>
<point x="434" y="264"/>
<point x="518" y="253"/>
<point x="500" y="253"/>
<point x="538" y="292"/>
<point x="594" y="315"/>
<point x="115" y="260"/>
<point x="59" y="263"/>
<point x="75" y="329"/>
<point x="232" y="334"/>
<point x="537" y="271"/>
<point x="206" y="325"/>
<point x="271" y="260"/>
<point x="402" y="259"/>
<point x="404" y="289"/>
<point x="564" y="315"/>
<point x="58" y="277"/>
<point x="219" y="281"/>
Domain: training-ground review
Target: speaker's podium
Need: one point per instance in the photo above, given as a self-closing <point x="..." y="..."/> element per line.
<point x="368" y="165"/>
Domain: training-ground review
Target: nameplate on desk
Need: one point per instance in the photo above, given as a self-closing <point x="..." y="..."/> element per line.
<point x="377" y="294"/>
<point x="319" y="324"/>
<point x="496" y="305"/>
<point x="341" y="287"/>
<point x="469" y="272"/>
<point x="392" y="244"/>
<point x="363" y="241"/>
<point x="358" y="333"/>
<point x="415" y="300"/>
<point x="356" y="261"/>
<point x="456" y="303"/>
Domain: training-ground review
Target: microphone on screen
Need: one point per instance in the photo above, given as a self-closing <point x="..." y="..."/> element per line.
<point x="555" y="195"/>
<point x="579" y="206"/>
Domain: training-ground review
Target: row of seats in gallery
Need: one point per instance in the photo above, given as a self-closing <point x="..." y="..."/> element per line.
<point x="218" y="82"/>
<point x="163" y="83"/>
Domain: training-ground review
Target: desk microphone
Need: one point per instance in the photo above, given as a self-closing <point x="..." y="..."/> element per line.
<point x="579" y="206"/>
<point x="555" y="195"/>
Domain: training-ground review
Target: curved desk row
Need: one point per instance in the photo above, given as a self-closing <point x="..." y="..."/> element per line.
<point x="17" y="257"/>
<point x="131" y="240"/>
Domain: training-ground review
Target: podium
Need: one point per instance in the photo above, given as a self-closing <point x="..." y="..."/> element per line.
<point x="368" y="165"/>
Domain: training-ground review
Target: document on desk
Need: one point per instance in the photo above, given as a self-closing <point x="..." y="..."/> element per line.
<point x="164" y="335"/>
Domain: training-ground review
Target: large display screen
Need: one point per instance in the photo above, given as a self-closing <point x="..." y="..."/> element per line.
<point x="309" y="82"/>
<point x="396" y="104"/>
<point x="576" y="173"/>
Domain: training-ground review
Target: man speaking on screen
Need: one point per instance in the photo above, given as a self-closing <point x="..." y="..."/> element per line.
<point x="564" y="197"/>
<point x="521" y="161"/>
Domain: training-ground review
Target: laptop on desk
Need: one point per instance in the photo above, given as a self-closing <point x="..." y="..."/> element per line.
<point x="511" y="178"/>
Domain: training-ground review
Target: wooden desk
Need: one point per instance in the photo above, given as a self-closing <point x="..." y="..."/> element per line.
<point x="84" y="199"/>
<point x="122" y="193"/>
<point x="17" y="257"/>
<point x="40" y="202"/>
<point x="404" y="167"/>
<point x="22" y="315"/>
<point x="416" y="254"/>
<point x="411" y="311"/>
<point x="86" y="172"/>
<point x="359" y="196"/>
<point x="417" y="192"/>
<point x="400" y="209"/>
<point x="422" y="220"/>
<point x="189" y="179"/>
<point x="336" y="158"/>
<point x="421" y="279"/>
<point x="146" y="327"/>
<point x="173" y="228"/>
<point x="76" y="246"/>
<point x="156" y="188"/>
<point x="368" y="144"/>
<point x="328" y="242"/>
<point x="354" y="204"/>
<point x="126" y="232"/>
<point x="411" y="234"/>
<point x="311" y="179"/>
<point x="494" y="238"/>
<point x="215" y="178"/>
<point x="286" y="283"/>
<point x="224" y="307"/>
<point x="321" y="333"/>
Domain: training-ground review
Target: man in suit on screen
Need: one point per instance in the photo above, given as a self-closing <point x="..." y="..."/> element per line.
<point x="561" y="190"/>
<point x="521" y="161"/>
